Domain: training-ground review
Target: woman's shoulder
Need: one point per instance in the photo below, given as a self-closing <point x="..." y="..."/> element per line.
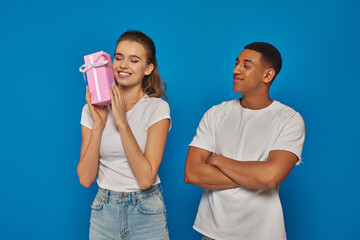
<point x="86" y="109"/>
<point x="155" y="102"/>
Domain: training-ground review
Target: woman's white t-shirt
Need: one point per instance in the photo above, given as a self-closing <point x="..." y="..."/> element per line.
<point x="114" y="169"/>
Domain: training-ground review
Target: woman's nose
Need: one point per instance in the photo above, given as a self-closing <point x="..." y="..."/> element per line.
<point x="124" y="64"/>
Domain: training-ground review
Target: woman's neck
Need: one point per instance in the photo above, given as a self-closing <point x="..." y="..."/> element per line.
<point x="131" y="95"/>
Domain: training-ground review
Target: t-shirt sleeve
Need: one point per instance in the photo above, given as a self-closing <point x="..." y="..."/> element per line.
<point x="161" y="110"/>
<point x="204" y="137"/>
<point x="86" y="118"/>
<point x="292" y="136"/>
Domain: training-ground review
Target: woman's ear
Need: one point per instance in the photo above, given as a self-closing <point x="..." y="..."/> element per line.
<point x="149" y="69"/>
<point x="269" y="75"/>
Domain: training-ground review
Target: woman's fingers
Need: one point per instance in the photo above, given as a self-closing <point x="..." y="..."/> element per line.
<point x="112" y="96"/>
<point x="87" y="96"/>
<point x="116" y="93"/>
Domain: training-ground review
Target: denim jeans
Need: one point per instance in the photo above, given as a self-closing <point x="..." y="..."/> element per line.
<point x="132" y="215"/>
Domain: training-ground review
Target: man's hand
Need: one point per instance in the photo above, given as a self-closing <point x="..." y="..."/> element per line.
<point x="211" y="159"/>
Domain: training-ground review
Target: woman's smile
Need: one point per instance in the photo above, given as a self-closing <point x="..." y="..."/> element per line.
<point x="123" y="74"/>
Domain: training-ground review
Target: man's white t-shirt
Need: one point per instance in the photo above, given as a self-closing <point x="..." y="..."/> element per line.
<point x="243" y="134"/>
<point x="114" y="169"/>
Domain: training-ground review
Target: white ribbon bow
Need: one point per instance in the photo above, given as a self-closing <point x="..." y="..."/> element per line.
<point x="86" y="67"/>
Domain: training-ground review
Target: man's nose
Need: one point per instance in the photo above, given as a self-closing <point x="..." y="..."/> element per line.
<point x="237" y="69"/>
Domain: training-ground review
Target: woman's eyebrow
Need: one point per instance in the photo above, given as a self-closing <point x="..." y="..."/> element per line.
<point x="119" y="54"/>
<point x="135" y="56"/>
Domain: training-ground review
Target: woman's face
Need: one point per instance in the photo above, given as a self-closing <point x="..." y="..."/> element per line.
<point x="130" y="63"/>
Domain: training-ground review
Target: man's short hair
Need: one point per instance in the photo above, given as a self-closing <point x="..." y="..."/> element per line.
<point x="269" y="54"/>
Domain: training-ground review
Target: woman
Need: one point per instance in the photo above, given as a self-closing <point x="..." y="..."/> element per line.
<point x="124" y="145"/>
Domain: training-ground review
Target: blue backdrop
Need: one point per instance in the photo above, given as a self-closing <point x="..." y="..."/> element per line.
<point x="43" y="44"/>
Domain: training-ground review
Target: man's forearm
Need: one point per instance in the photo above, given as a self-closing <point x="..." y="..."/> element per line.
<point x="209" y="177"/>
<point x="251" y="174"/>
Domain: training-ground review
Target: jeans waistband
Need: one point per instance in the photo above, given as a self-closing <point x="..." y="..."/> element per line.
<point x="129" y="196"/>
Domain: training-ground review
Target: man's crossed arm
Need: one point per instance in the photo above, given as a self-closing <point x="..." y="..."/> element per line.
<point x="217" y="172"/>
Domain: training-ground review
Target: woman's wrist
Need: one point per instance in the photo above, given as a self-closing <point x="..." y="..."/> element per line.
<point x="122" y="125"/>
<point x="98" y="126"/>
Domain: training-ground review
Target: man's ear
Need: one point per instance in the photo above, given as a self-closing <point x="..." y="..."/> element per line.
<point x="269" y="75"/>
<point x="149" y="69"/>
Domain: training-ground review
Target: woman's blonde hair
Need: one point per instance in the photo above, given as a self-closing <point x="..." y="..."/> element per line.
<point x="152" y="84"/>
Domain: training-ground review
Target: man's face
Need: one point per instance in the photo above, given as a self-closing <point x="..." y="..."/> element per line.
<point x="249" y="73"/>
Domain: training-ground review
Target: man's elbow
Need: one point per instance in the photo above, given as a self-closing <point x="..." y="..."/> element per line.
<point x="188" y="179"/>
<point x="192" y="179"/>
<point x="272" y="183"/>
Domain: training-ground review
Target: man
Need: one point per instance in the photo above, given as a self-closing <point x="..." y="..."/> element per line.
<point x="242" y="151"/>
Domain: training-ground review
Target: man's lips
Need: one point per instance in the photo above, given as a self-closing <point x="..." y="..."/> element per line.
<point x="237" y="79"/>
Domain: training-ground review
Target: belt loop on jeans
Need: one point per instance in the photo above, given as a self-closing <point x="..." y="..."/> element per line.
<point x="133" y="198"/>
<point x="106" y="196"/>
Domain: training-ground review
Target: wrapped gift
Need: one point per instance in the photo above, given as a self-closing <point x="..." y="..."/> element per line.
<point x="98" y="69"/>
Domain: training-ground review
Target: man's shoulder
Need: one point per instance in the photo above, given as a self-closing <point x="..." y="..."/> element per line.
<point x="284" y="112"/>
<point x="224" y="106"/>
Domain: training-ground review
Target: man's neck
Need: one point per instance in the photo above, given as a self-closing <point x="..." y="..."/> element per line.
<point x="256" y="102"/>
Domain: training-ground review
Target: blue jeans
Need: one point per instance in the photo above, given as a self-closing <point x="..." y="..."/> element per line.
<point x="132" y="215"/>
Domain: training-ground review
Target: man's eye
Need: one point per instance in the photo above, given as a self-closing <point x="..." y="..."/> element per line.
<point x="246" y="66"/>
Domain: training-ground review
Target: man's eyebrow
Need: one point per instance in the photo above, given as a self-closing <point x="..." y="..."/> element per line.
<point x="248" y="60"/>
<point x="245" y="60"/>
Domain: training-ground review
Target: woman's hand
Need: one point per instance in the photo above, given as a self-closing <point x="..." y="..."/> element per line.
<point x="98" y="114"/>
<point x="118" y="106"/>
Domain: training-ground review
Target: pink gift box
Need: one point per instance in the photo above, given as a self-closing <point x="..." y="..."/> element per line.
<point x="98" y="68"/>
